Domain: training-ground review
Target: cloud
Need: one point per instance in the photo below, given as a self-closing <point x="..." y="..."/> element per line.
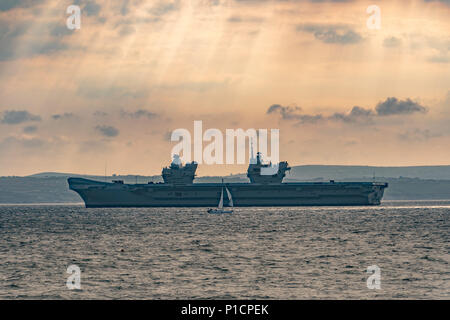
<point x="16" y="117"/>
<point x="93" y="147"/>
<point x="164" y="7"/>
<point x="108" y="131"/>
<point x="30" y="129"/>
<point x="307" y="118"/>
<point x="99" y="113"/>
<point x="292" y="1"/>
<point x="355" y="115"/>
<point x="446" y="101"/>
<point x="293" y="113"/>
<point x="199" y="86"/>
<point x="139" y="114"/>
<point x="66" y="115"/>
<point x="419" y="135"/>
<point x="447" y="2"/>
<point x="239" y="19"/>
<point x="59" y="30"/>
<point x="126" y="30"/>
<point x="440" y="58"/>
<point x="124" y="9"/>
<point x="393" y="106"/>
<point x="285" y="112"/>
<point x="332" y="34"/>
<point x="392" y="42"/>
<point x="438" y="47"/>
<point x="90" y="7"/>
<point x="92" y="90"/>
<point x="6" y="5"/>
<point x="46" y="48"/>
<point x="49" y="41"/>
<point x="167" y="136"/>
<point x="14" y="143"/>
<point x="9" y="33"/>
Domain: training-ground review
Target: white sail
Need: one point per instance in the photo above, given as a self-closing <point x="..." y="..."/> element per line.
<point x="230" y="199"/>
<point x="220" y="206"/>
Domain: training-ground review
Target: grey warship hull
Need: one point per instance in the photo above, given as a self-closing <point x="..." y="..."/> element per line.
<point x="96" y="194"/>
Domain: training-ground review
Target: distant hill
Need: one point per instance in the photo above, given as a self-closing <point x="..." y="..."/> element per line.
<point x="305" y="172"/>
<point x="87" y="176"/>
<point x="405" y="183"/>
<point x="348" y="172"/>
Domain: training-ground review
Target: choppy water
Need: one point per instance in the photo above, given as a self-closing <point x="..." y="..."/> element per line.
<point x="256" y="253"/>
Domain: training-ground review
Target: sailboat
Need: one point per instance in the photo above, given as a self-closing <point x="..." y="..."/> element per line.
<point x="220" y="209"/>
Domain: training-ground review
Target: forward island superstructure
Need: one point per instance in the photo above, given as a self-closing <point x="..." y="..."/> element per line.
<point x="266" y="189"/>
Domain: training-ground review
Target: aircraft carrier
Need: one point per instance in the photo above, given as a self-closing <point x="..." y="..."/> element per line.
<point x="179" y="190"/>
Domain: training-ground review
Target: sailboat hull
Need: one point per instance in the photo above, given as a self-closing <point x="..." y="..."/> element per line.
<point x="219" y="211"/>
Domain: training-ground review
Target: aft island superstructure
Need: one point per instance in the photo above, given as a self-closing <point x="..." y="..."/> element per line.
<point x="266" y="189"/>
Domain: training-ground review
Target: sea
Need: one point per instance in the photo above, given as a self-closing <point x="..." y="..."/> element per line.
<point x="398" y="250"/>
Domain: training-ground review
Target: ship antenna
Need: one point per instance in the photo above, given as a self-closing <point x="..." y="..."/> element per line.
<point x="105" y="170"/>
<point x="252" y="156"/>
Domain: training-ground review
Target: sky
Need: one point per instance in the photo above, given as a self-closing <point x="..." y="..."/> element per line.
<point x="109" y="95"/>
